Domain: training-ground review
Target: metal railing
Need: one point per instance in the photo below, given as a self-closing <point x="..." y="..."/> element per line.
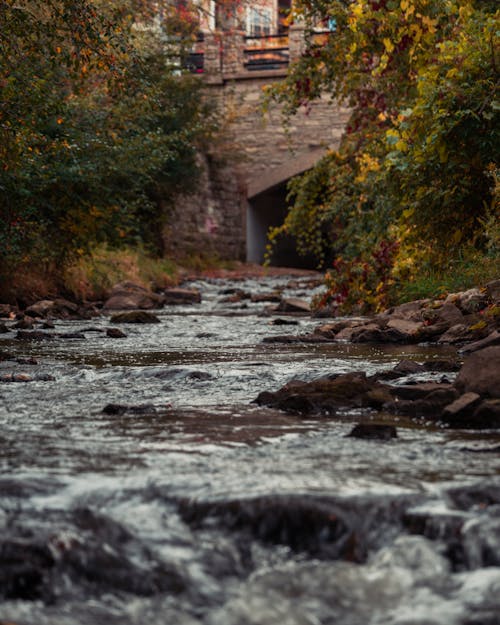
<point x="266" y="52"/>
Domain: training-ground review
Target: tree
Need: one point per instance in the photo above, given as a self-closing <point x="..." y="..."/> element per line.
<point x="97" y="123"/>
<point x="413" y="172"/>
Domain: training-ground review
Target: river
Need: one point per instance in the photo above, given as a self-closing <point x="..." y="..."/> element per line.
<point x="141" y="486"/>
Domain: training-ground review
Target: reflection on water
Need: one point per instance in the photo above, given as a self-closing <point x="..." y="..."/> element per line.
<point x="141" y="485"/>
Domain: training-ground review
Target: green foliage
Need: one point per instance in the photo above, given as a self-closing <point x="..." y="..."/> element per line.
<point x="98" y="128"/>
<point x="415" y="165"/>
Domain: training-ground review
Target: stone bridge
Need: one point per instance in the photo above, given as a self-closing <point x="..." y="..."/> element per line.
<point x="243" y="190"/>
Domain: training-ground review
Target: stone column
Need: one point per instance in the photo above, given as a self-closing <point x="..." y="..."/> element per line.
<point x="296" y="41"/>
<point x="212" y="57"/>
<point x="233" y="52"/>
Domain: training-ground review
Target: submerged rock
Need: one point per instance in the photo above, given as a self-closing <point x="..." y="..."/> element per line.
<point x="373" y="431"/>
<point x="135" y="316"/>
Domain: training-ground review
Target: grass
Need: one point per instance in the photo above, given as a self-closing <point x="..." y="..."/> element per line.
<point x="462" y="274"/>
<point x="93" y="275"/>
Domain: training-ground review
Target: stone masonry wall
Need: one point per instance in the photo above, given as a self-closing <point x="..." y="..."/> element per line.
<point x="262" y="153"/>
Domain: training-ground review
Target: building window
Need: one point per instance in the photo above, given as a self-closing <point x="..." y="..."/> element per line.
<point x="259" y="21"/>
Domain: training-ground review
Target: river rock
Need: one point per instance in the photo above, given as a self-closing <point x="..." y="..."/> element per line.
<point x="115" y="333"/>
<point x="15" y="377"/>
<point x="3" y="328"/>
<point x="486" y="415"/>
<point x="294" y="305"/>
<point x="266" y="297"/>
<point x="424" y="390"/>
<point x="331" y="330"/>
<point x="135" y="316"/>
<point x="407" y="367"/>
<point x="24" y="569"/>
<point x="463" y="406"/>
<point x="493" y="290"/>
<point x="468" y="301"/>
<point x="40" y="309"/>
<point x="441" y="364"/>
<point x="481" y="373"/>
<point x="410" y="311"/>
<point x="373" y="431"/>
<point x="492" y="339"/>
<point x="24" y="324"/>
<point x="128" y="295"/>
<point x="408" y="328"/>
<point x="177" y="296"/>
<point x="461" y="333"/>
<point x="327" y="395"/>
<point x="284" y="322"/>
<point x="59" y="308"/>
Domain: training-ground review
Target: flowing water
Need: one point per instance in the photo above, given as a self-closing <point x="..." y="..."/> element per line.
<point x="182" y="503"/>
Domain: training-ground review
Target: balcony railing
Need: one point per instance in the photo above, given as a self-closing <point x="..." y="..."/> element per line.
<point x="266" y="52"/>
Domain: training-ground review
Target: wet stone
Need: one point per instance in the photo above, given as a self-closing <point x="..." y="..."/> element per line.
<point x="373" y="431"/>
<point x="115" y="333"/>
<point x="135" y="316"/>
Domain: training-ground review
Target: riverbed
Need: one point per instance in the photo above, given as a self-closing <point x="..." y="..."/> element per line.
<point x="140" y="484"/>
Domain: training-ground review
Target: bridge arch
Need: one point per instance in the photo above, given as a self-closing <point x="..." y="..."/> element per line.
<point x="267" y="208"/>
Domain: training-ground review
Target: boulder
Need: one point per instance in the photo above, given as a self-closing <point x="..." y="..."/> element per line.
<point x="135" y="316"/>
<point x="176" y="296"/>
<point x="480" y="373"/>
<point x="367" y="333"/>
<point x="407" y="327"/>
<point x="411" y="311"/>
<point x="327" y="395"/>
<point x="40" y="309"/>
<point x="130" y="296"/>
<point x="446" y="313"/>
